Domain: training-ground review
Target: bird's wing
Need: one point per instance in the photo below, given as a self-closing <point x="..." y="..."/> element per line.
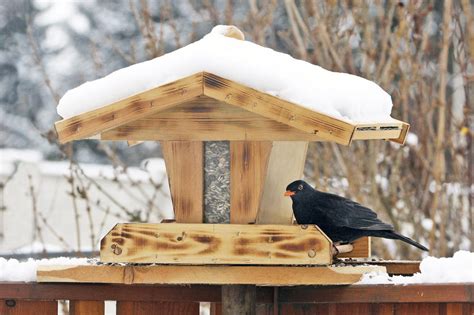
<point x="348" y="213"/>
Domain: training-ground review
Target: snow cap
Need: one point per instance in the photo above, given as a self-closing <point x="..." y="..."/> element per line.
<point x="339" y="95"/>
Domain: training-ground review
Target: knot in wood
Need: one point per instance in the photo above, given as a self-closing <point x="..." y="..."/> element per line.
<point x="315" y="131"/>
<point x="304" y="226"/>
<point x="184" y="91"/>
<point x="116" y="250"/>
<point x="312" y="253"/>
<point x="10" y="303"/>
<point x="228" y="96"/>
<point x="292" y="117"/>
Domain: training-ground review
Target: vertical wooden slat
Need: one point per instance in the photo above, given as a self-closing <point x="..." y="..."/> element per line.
<point x="22" y="307"/>
<point x="382" y="308"/>
<point x="248" y="165"/>
<point x="184" y="165"/>
<point x="86" y="308"/>
<point x="417" y="308"/>
<point x="286" y="164"/>
<point x="459" y="308"/>
<point x="157" y="308"/>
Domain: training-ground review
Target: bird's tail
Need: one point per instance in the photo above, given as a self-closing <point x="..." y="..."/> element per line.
<point x="396" y="236"/>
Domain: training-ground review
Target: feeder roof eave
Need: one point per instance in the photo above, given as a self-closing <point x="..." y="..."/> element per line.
<point x="325" y="127"/>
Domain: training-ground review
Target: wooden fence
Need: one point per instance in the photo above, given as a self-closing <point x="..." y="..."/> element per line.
<point x="429" y="299"/>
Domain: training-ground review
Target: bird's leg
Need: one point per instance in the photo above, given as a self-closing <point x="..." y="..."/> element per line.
<point x="338" y="248"/>
<point x="335" y="251"/>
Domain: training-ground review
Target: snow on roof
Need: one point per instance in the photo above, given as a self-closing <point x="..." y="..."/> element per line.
<point x="456" y="269"/>
<point x="340" y="95"/>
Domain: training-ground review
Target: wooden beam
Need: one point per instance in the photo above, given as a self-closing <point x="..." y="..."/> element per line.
<point x="286" y="164"/>
<point x="157" y="308"/>
<point x="21" y="307"/>
<point x="221" y="275"/>
<point x="129" y="109"/>
<point x="386" y="293"/>
<point x="206" y="119"/>
<point x="299" y="117"/>
<point x="216" y="244"/>
<point x="86" y="307"/>
<point x="248" y="167"/>
<point x="184" y="166"/>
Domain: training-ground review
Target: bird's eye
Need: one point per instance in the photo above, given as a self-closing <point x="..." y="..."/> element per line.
<point x="300" y="187"/>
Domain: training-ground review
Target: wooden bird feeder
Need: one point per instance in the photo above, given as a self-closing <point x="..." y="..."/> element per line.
<point x="268" y="139"/>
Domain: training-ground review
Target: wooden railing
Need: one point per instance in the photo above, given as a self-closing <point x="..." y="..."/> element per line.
<point x="432" y="299"/>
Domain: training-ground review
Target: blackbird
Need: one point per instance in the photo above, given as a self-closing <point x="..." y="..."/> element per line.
<point x="341" y="219"/>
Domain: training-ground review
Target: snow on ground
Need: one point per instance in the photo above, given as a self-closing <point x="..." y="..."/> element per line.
<point x="459" y="268"/>
<point x="156" y="169"/>
<point x="14" y="270"/>
<point x="340" y="95"/>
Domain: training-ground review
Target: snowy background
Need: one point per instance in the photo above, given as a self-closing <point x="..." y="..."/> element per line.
<point x="63" y="198"/>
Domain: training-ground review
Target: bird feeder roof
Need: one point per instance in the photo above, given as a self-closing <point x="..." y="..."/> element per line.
<point x="228" y="89"/>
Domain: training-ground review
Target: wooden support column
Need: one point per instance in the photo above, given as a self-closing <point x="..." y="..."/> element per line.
<point x="86" y="308"/>
<point x="184" y="165"/>
<point x="239" y="299"/>
<point x="248" y="167"/>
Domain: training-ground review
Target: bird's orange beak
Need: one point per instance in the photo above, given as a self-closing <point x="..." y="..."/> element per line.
<point x="289" y="193"/>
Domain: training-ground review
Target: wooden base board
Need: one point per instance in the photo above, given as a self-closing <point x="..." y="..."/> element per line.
<point x="219" y="275"/>
<point x="216" y="244"/>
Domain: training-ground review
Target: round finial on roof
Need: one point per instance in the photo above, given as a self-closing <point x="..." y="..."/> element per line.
<point x="229" y="31"/>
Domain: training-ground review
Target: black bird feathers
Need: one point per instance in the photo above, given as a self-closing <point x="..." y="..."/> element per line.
<point x="342" y="220"/>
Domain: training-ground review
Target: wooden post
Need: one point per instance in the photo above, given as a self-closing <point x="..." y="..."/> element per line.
<point x="248" y="167"/>
<point x="239" y="299"/>
<point x="184" y="165"/>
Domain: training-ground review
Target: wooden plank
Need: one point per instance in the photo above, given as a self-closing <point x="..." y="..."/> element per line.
<point x="129" y="109"/>
<point x="216" y="244"/>
<point x="86" y="307"/>
<point x="299" y="117"/>
<point x="286" y="164"/>
<point x="394" y="267"/>
<point x="248" y="167"/>
<point x="114" y="292"/>
<point x="206" y="119"/>
<point x="362" y="249"/>
<point x="221" y="275"/>
<point x="385" y="293"/>
<point x="184" y="166"/>
<point x="411" y="293"/>
<point x="157" y="308"/>
<point x="22" y="307"/>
